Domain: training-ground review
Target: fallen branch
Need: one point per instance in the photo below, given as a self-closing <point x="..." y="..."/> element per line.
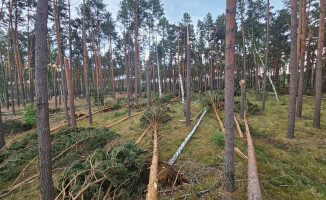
<point x="124" y="119"/>
<point x="253" y="179"/>
<point x="193" y="119"/>
<point x="143" y="134"/>
<point x="238" y="127"/>
<point x="176" y="155"/>
<point x="87" y="186"/>
<point x="223" y="130"/>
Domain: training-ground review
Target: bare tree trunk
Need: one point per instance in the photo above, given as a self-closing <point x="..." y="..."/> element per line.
<point x="2" y="136"/>
<point x="244" y="87"/>
<point x="318" y="95"/>
<point x="30" y="72"/>
<point x="71" y="95"/>
<point x="127" y="72"/>
<point x="90" y="118"/>
<point x="57" y="25"/>
<point x="42" y="104"/>
<point x="20" y="71"/>
<point x="308" y="68"/>
<point x="112" y="71"/>
<point x="293" y="71"/>
<point x="228" y="182"/>
<point x="148" y="83"/>
<point x="9" y="60"/>
<point x="302" y="58"/>
<point x="188" y="80"/>
<point x="136" y="52"/>
<point x="179" y="65"/>
<point x="266" y="60"/>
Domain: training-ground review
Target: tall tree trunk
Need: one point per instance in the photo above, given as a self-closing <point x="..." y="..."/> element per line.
<point x="318" y="87"/>
<point x="308" y="68"/>
<point x="42" y="104"/>
<point x="293" y="71"/>
<point x="302" y="58"/>
<point x="179" y="65"/>
<point x="57" y="25"/>
<point x="148" y="84"/>
<point x="127" y="72"/>
<point x="2" y="136"/>
<point x="20" y="71"/>
<point x="9" y="60"/>
<point x="112" y="70"/>
<point x="266" y="60"/>
<point x="90" y="118"/>
<point x="95" y="55"/>
<point x="244" y="87"/>
<point x="188" y="80"/>
<point x="136" y="52"/>
<point x="71" y="94"/>
<point x="30" y="71"/>
<point x="228" y="182"/>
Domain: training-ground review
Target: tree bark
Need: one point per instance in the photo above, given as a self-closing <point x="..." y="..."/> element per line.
<point x="136" y="52"/>
<point x="127" y="72"/>
<point x="228" y="182"/>
<point x="266" y="60"/>
<point x="188" y="80"/>
<point x="90" y="118"/>
<point x="42" y="104"/>
<point x="57" y="26"/>
<point x="2" y="136"/>
<point x="244" y="86"/>
<point x="9" y="60"/>
<point x="293" y="71"/>
<point x="318" y="82"/>
<point x="71" y="94"/>
<point x="148" y="83"/>
<point x="302" y="58"/>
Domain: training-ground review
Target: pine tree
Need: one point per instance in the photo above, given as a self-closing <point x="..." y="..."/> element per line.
<point x="228" y="182"/>
<point x="42" y="109"/>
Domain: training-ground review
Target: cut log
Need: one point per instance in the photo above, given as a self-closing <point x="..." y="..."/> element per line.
<point x="176" y="155"/>
<point x="253" y="179"/>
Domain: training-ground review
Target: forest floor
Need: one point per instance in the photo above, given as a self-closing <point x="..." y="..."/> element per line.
<point x="288" y="169"/>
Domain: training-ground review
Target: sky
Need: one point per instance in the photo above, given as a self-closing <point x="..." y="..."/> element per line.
<point x="197" y="9"/>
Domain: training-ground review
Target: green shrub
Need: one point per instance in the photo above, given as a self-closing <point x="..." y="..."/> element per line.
<point x="218" y="138"/>
<point x="157" y="114"/>
<point x="30" y="114"/>
<point x="15" y="126"/>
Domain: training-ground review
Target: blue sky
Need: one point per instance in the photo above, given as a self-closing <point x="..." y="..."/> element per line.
<point x="197" y="9"/>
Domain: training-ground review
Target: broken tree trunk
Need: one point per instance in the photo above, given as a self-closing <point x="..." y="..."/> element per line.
<point x="152" y="185"/>
<point x="183" y="95"/>
<point x="176" y="155"/>
<point x="253" y="179"/>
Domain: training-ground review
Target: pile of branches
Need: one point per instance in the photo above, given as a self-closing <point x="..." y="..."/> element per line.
<point x="66" y="145"/>
<point x="116" y="173"/>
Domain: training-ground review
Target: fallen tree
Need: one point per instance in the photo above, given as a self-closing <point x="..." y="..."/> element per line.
<point x="238" y="151"/>
<point x="253" y="179"/>
<point x="184" y="143"/>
